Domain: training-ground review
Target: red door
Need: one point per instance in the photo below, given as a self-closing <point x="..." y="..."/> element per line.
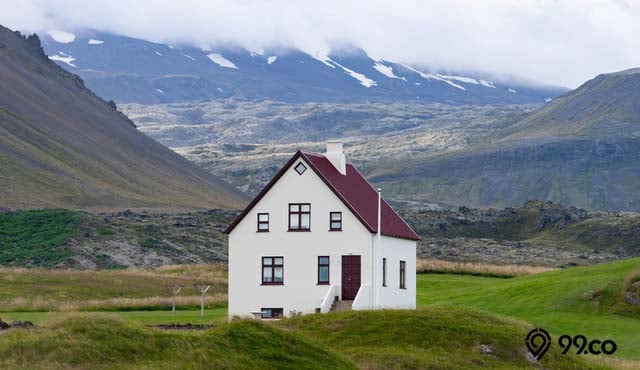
<point x="350" y="277"/>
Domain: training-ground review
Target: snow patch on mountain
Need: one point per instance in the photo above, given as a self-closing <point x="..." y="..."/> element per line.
<point x="62" y="36"/>
<point x="188" y="56"/>
<point x="221" y="61"/>
<point x="487" y="84"/>
<point x="548" y="99"/>
<point x="255" y="51"/>
<point x="158" y="53"/>
<point x="272" y="59"/>
<point x="430" y="76"/>
<point x="364" y="80"/>
<point x="513" y="91"/>
<point x="324" y="58"/>
<point x="386" y="70"/>
<point x="64" y="58"/>
<point x="95" y="42"/>
<point x="160" y="91"/>
<point x="467" y="80"/>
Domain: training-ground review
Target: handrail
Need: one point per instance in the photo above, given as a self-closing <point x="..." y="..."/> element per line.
<point x="361" y="302"/>
<point x="328" y="299"/>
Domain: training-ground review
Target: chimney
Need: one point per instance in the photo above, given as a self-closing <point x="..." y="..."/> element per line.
<point x="335" y="155"/>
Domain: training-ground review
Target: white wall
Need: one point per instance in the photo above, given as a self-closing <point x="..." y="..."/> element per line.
<point x="391" y="296"/>
<point x="300" y="291"/>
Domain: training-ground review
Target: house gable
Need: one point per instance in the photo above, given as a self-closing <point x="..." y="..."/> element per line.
<point x="352" y="189"/>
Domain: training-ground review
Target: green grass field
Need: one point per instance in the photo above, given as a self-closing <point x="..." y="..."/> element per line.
<point x="581" y="300"/>
<point x="211" y="316"/>
<point x="457" y="314"/>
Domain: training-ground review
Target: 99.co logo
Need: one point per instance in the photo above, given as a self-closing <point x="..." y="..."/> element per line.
<point x="538" y="342"/>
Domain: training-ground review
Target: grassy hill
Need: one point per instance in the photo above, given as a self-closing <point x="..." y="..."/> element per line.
<point x="108" y="343"/>
<point x="601" y="107"/>
<point x="62" y="146"/>
<point x="582" y="300"/>
<point x="442" y="338"/>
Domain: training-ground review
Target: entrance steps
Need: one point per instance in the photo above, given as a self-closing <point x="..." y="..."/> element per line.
<point x="341" y="306"/>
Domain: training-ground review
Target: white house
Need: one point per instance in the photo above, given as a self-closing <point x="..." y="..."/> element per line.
<point x="317" y="234"/>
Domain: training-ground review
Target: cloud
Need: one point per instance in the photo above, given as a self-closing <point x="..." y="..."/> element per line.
<point x="558" y="42"/>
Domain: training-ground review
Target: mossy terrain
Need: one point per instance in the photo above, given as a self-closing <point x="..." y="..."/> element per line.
<point x="543" y="233"/>
<point x="77" y="239"/>
<point x="570" y="234"/>
<point x="36" y="238"/>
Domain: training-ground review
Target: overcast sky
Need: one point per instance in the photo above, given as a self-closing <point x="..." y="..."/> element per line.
<point x="557" y="42"/>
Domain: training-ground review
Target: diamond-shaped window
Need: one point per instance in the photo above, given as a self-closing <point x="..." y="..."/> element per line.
<point x="300" y="168"/>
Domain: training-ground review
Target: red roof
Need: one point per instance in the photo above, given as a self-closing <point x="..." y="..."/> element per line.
<point x="354" y="191"/>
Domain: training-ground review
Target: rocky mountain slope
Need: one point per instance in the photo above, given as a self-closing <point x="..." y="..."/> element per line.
<point x="581" y="149"/>
<point x="62" y="146"/>
<point x="138" y="71"/>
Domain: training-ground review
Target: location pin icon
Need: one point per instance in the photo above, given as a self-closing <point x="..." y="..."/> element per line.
<point x="538" y="341"/>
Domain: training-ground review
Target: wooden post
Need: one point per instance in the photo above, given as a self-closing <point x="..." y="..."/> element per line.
<point x="202" y="288"/>
<point x="175" y="290"/>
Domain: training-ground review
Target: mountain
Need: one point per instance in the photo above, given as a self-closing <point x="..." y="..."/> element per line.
<point x="581" y="149"/>
<point x="606" y="106"/>
<point x="129" y="70"/>
<point x="62" y="146"/>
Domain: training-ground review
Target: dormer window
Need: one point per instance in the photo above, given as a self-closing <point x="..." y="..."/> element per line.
<point x="300" y="168"/>
<point x="299" y="216"/>
<point x="263" y="222"/>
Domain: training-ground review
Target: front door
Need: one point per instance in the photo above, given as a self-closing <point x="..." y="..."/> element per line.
<point x="350" y="277"/>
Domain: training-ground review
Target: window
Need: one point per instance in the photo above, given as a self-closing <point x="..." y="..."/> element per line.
<point x="299" y="216"/>
<point x="402" y="274"/>
<point x="335" y="221"/>
<point x="271" y="313"/>
<point x="263" y="222"/>
<point x="323" y="270"/>
<point x="272" y="270"/>
<point x="384" y="272"/>
<point x="300" y="168"/>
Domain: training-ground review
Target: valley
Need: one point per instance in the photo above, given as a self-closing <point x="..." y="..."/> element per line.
<point x="574" y="150"/>
<point x="247" y="142"/>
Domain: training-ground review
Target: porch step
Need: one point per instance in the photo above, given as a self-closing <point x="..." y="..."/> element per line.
<point x="340" y="306"/>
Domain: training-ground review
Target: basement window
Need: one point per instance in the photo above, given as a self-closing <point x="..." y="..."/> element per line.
<point x="271" y="313"/>
<point x="300" y="168"/>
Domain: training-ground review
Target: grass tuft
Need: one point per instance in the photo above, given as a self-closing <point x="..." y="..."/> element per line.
<point x="433" y="266"/>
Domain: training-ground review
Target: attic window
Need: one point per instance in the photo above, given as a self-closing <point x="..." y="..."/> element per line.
<point x="300" y="168"/>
